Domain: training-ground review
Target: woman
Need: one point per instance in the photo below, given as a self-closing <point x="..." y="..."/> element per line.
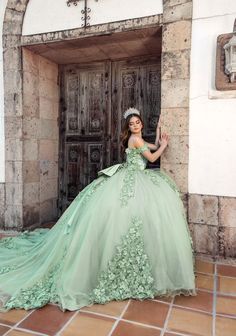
<point x="124" y="236"/>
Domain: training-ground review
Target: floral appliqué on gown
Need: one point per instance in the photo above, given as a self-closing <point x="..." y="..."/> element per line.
<point x="124" y="236"/>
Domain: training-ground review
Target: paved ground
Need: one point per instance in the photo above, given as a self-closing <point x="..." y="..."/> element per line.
<point x="211" y="313"/>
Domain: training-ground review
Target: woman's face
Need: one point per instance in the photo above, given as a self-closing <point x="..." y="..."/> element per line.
<point x="135" y="125"/>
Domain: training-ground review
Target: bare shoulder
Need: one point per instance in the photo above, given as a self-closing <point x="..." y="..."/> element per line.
<point x="137" y="142"/>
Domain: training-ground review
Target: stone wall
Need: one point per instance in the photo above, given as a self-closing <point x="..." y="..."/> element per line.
<point x="213" y="225"/>
<point x="40" y="139"/>
<point x="177" y="21"/>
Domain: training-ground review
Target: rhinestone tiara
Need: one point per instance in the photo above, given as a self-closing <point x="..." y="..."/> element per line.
<point x="130" y="111"/>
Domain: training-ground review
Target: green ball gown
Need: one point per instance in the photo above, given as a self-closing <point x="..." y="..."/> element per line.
<point x="124" y="236"/>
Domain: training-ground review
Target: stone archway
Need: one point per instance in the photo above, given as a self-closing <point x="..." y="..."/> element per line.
<point x="175" y="97"/>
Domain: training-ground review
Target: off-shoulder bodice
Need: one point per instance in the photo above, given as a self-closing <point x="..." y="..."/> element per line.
<point x="135" y="159"/>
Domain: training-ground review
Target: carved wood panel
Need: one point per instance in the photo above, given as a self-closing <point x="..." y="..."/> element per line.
<point x="93" y="99"/>
<point x="83" y="125"/>
<point x="135" y="83"/>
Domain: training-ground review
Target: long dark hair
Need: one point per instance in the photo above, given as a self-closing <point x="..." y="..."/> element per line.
<point x="125" y="134"/>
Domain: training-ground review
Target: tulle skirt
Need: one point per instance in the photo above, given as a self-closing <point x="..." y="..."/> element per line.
<point x="124" y="236"/>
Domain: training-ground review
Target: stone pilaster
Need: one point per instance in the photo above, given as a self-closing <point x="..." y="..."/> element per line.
<point x="40" y="135"/>
<point x="12" y="57"/>
<point x="176" y="45"/>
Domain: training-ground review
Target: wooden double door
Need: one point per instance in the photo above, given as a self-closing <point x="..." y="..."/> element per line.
<point x="93" y="99"/>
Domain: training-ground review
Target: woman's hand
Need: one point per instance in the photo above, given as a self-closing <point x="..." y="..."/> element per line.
<point x="152" y="157"/>
<point x="164" y="140"/>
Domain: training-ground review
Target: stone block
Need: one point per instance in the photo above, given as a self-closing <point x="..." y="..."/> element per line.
<point x="30" y="62"/>
<point x="176" y="65"/>
<point x="14" y="193"/>
<point x="48" y="189"/>
<point x="12" y="81"/>
<point x="48" y="211"/>
<point x="203" y="209"/>
<point x="177" y="13"/>
<point x="179" y="173"/>
<point x="35" y="39"/>
<point x="31" y="215"/>
<point x="31" y="128"/>
<point x="17" y="5"/>
<point x="176" y="36"/>
<point x="12" y="59"/>
<point x="175" y="93"/>
<point x="48" y="89"/>
<point x="227" y="242"/>
<point x="171" y="3"/>
<point x="14" y="171"/>
<point x="175" y="121"/>
<point x="12" y="26"/>
<point x="13" y="127"/>
<point x="11" y="41"/>
<point x="30" y="149"/>
<point x="48" y="150"/>
<point x="11" y="15"/>
<point x="30" y="83"/>
<point x="48" y="70"/>
<point x="13" y="217"/>
<point x="204" y="238"/>
<point x="31" y="193"/>
<point x="177" y="151"/>
<point x="49" y="129"/>
<point x="31" y="171"/>
<point x="48" y="108"/>
<point x="48" y="169"/>
<point x="31" y="105"/>
<point x="13" y="104"/>
<point x="227" y="211"/>
<point x="13" y="149"/>
<point x="2" y="193"/>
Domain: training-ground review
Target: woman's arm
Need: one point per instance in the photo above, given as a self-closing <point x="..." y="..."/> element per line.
<point x="152" y="157"/>
<point x="151" y="146"/>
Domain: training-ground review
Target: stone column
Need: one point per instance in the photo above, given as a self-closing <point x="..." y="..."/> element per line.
<point x="12" y="59"/>
<point x="177" y="21"/>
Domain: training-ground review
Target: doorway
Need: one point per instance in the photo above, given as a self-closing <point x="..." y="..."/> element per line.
<point x="94" y="97"/>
